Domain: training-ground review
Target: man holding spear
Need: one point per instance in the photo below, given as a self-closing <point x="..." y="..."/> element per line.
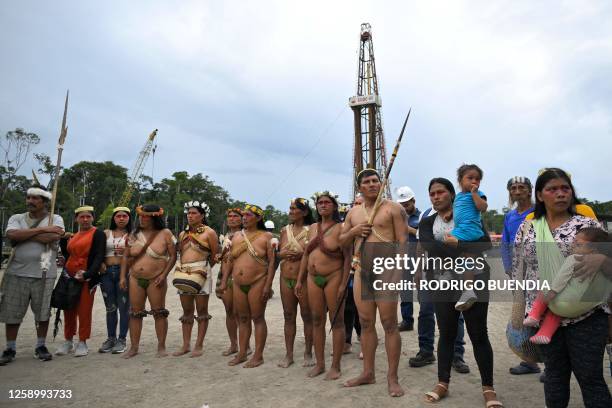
<point x="23" y="282"/>
<point x="383" y="221"/>
<point x="32" y="269"/>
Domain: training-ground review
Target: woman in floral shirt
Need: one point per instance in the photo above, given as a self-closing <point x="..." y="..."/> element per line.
<point x="578" y="345"/>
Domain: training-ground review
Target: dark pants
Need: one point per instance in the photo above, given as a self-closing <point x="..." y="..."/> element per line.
<point x="476" y="323"/>
<point x="115" y="300"/>
<point x="351" y="318"/>
<point x="427" y="327"/>
<point x="577" y="348"/>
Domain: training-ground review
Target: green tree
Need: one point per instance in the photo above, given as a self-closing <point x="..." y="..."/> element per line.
<point x="16" y="146"/>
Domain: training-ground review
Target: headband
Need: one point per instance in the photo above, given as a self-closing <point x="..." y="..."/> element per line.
<point x="197" y="204"/>
<point x="518" y="180"/>
<point x="36" y="191"/>
<point x="327" y="193"/>
<point x="302" y="201"/>
<point x="84" y="208"/>
<point x="364" y="170"/>
<point x="234" y="210"/>
<point x="142" y="212"/>
<point x="254" y="209"/>
<point x="125" y="209"/>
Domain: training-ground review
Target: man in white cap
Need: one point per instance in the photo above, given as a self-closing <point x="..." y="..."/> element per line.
<point x="405" y="196"/>
<point x="22" y="285"/>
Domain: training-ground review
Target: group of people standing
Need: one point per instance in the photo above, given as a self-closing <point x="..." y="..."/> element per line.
<point x="320" y="265"/>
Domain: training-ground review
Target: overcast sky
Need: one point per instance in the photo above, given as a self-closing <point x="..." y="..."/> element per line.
<point x="254" y="93"/>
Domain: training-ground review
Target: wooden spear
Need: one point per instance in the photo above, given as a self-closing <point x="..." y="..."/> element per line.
<point x="46" y="261"/>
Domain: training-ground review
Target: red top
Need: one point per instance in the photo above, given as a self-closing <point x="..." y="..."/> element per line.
<point x="78" y="248"/>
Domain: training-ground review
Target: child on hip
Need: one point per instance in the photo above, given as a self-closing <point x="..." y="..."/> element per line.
<point x="467" y="209"/>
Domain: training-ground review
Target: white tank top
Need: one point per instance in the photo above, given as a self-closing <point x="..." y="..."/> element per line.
<point x="112" y="244"/>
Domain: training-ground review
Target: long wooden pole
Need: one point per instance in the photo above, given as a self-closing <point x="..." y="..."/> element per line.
<point x="46" y="261"/>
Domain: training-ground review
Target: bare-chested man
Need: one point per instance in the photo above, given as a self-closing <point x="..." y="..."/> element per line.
<point x="198" y="245"/>
<point x="234" y="225"/>
<point x="293" y="242"/>
<point x="389" y="225"/>
<point x="322" y="270"/>
<point x="149" y="256"/>
<point x="252" y="271"/>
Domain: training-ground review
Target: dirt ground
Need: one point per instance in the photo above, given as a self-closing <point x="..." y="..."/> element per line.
<point x="105" y="380"/>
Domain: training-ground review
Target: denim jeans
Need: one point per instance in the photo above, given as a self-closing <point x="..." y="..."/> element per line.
<point x="115" y="300"/>
<point x="427" y="327"/>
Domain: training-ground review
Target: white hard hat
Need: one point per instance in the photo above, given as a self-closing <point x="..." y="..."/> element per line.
<point x="404" y="194"/>
<point x="269" y="224"/>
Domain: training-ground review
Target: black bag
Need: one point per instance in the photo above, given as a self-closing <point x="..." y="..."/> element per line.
<point x="67" y="293"/>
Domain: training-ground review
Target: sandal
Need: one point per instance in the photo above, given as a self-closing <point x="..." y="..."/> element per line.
<point x="492" y="403"/>
<point x="432" y="397"/>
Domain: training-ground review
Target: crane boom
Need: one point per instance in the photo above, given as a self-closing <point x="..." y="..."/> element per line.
<point x="136" y="171"/>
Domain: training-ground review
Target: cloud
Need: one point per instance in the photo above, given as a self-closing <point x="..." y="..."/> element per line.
<point x="255" y="93"/>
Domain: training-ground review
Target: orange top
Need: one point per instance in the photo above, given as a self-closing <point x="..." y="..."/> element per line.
<point x="78" y="249"/>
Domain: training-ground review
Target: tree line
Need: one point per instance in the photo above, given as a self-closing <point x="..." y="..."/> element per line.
<point x="102" y="184"/>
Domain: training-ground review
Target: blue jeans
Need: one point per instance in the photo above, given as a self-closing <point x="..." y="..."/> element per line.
<point x="115" y="300"/>
<point x="427" y="327"/>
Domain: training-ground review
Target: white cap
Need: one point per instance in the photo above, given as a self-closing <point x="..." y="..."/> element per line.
<point x="404" y="194"/>
<point x="269" y="224"/>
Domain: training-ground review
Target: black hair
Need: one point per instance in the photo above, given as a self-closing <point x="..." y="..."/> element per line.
<point x="464" y="168"/>
<point x="446" y="183"/>
<point x="302" y="204"/>
<point x="128" y="226"/>
<point x="367" y="173"/>
<point x="158" y="221"/>
<point x="543" y="179"/>
<point x="335" y="215"/>
<point x="202" y="212"/>
<point x="261" y="225"/>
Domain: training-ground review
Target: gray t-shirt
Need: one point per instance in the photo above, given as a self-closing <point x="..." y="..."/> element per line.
<point x="26" y="259"/>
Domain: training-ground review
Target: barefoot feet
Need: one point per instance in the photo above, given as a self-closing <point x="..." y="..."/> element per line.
<point x="395" y="390"/>
<point x="233" y="349"/>
<point x="130" y="353"/>
<point x="237" y="360"/>
<point x="182" y="351"/>
<point x="316" y="370"/>
<point x="363" y="379"/>
<point x="197" y="351"/>
<point x="308" y="360"/>
<point x="333" y="374"/>
<point x="286" y="362"/>
<point x="252" y="363"/>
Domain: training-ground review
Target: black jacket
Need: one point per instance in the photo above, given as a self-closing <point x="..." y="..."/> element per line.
<point x="436" y="248"/>
<point x="95" y="258"/>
